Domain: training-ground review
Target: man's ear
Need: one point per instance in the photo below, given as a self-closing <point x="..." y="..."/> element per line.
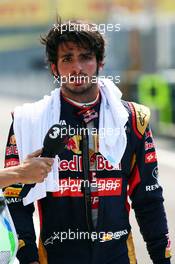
<point x="100" y="65"/>
<point x="54" y="69"/>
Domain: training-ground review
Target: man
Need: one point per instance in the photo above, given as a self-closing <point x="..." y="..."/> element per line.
<point x="87" y="219"/>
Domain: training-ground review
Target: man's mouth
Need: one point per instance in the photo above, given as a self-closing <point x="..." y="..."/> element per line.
<point x="78" y="80"/>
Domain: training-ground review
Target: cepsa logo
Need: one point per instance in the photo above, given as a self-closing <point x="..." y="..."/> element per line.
<point x="104" y="187"/>
<point x="11" y="162"/>
<point x="150" y="157"/>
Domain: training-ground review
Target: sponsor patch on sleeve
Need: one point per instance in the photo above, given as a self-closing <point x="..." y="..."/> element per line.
<point x="21" y="243"/>
<point x="11" y="162"/>
<point x="150" y="157"/>
<point x="168" y="252"/>
<point x="12" y="192"/>
<point x="140" y="118"/>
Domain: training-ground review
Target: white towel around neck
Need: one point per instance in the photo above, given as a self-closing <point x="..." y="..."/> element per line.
<point x="32" y="121"/>
<point x="113" y="118"/>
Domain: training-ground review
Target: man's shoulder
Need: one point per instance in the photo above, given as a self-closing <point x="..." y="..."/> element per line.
<point x="139" y="116"/>
<point x="38" y="107"/>
<point x="32" y="110"/>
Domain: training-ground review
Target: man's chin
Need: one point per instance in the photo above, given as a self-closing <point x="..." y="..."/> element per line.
<point x="78" y="89"/>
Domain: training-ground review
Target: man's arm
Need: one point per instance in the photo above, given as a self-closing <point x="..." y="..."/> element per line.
<point x="147" y="200"/>
<point x="32" y="170"/>
<point x="22" y="216"/>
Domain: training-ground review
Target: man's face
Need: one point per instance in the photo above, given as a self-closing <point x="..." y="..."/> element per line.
<point x="76" y="67"/>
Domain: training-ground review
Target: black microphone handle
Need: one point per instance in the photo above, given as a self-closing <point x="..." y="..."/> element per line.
<point x="50" y="150"/>
<point x="27" y="187"/>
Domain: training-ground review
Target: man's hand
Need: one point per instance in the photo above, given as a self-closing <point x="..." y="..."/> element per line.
<point x="34" y="169"/>
<point x="35" y="262"/>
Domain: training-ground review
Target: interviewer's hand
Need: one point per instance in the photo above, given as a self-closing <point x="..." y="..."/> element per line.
<point x="34" y="169"/>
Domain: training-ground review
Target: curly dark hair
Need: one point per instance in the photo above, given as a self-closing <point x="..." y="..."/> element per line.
<point x="81" y="33"/>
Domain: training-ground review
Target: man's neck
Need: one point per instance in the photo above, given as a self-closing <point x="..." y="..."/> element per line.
<point x="85" y="103"/>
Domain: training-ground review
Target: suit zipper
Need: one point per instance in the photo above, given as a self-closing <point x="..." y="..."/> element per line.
<point x="86" y="185"/>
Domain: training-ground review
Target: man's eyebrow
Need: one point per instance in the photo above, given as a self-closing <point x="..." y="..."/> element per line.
<point x="67" y="54"/>
<point x="87" y="53"/>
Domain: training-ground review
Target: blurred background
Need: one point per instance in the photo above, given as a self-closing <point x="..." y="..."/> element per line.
<point x="141" y="54"/>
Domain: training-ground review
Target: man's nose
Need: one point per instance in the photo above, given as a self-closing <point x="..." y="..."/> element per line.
<point x="77" y="67"/>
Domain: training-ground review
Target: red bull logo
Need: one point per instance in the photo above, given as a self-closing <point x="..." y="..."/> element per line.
<point x="76" y="164"/>
<point x="73" y="144"/>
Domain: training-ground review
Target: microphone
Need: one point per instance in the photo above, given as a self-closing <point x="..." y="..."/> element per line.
<point x="54" y="144"/>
